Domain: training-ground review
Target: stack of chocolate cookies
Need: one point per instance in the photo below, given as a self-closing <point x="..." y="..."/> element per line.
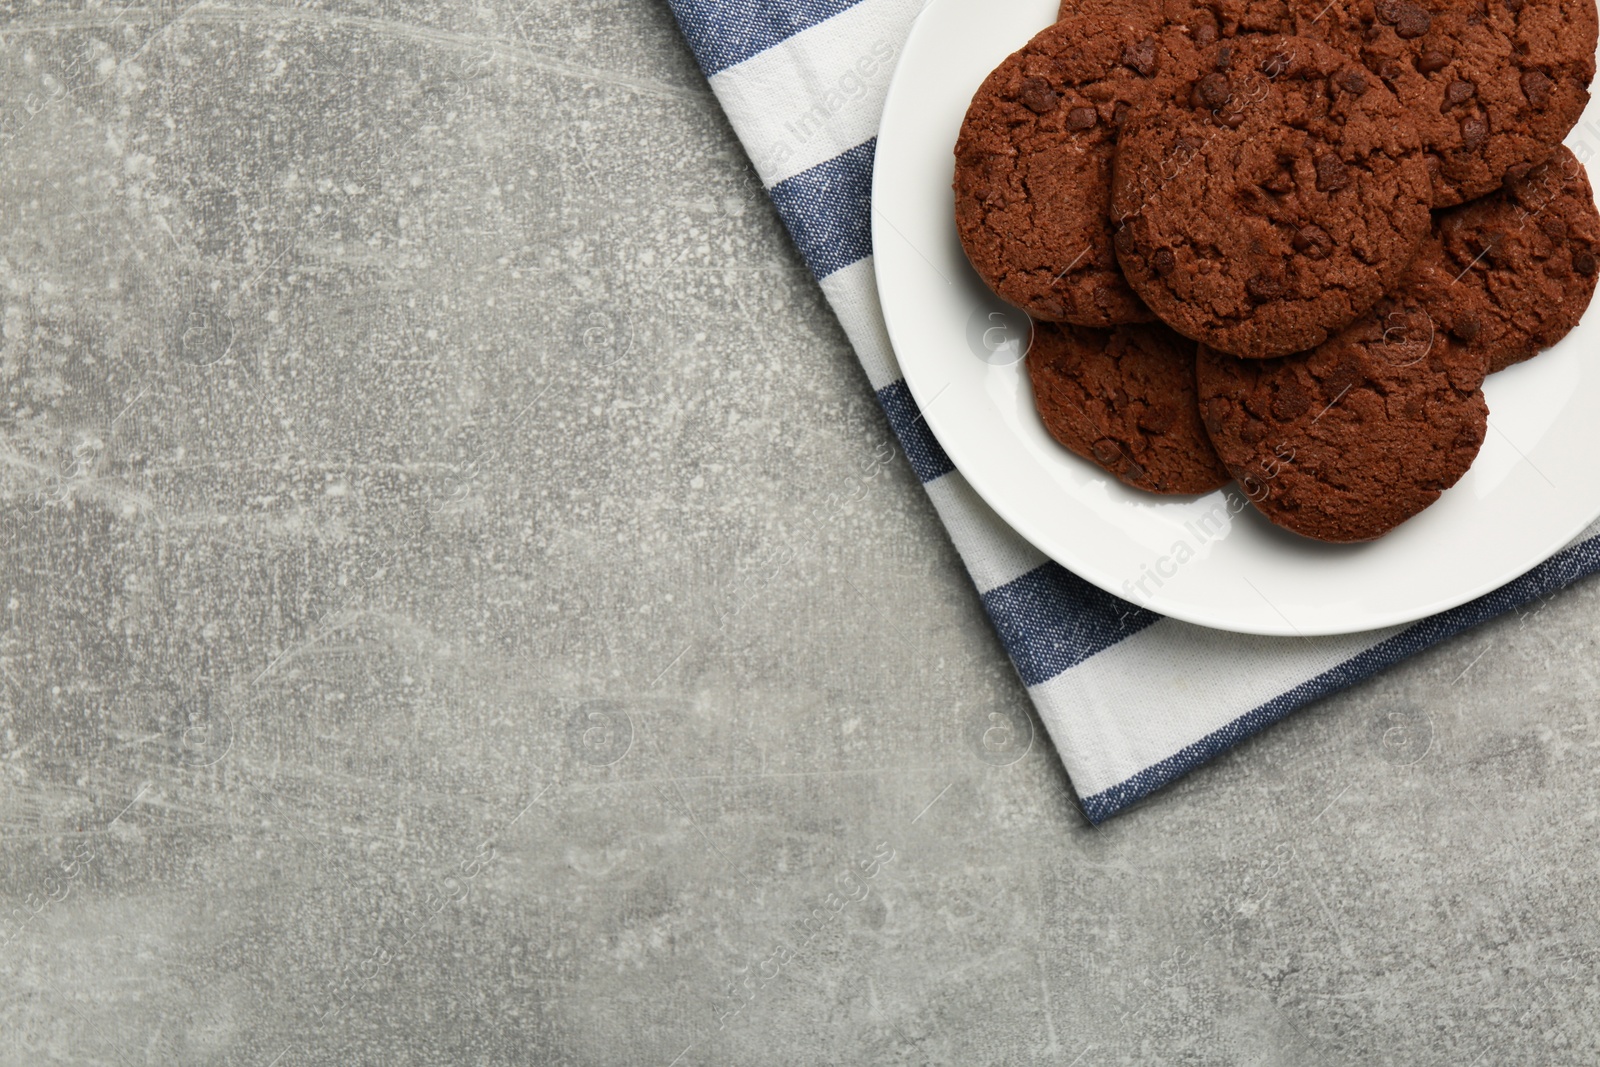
<point x="1284" y="241"/>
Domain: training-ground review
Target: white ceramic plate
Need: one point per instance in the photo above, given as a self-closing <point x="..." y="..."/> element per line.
<point x="1210" y="560"/>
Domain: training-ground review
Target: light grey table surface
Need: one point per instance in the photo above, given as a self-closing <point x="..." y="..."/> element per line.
<point x="427" y="637"/>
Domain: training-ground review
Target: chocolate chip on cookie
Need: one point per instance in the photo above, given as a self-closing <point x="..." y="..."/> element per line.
<point x="1124" y="399"/>
<point x="1262" y="209"/>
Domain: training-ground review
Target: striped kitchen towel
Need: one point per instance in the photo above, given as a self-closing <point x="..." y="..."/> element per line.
<point x="1132" y="700"/>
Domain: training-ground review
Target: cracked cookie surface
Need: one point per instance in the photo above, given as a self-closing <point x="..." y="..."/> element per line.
<point x="1493" y="85"/>
<point x="1033" y="165"/>
<point x="1513" y="272"/>
<point x="1124" y="399"/>
<point x="1277" y="192"/>
<point x="1347" y="441"/>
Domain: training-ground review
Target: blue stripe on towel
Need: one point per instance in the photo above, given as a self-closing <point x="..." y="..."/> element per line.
<point x="721" y="34"/>
<point x="828" y="209"/>
<point x="916" y="440"/>
<point x="1050" y="620"/>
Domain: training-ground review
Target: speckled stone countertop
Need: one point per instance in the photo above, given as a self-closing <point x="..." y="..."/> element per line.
<point x="441" y="624"/>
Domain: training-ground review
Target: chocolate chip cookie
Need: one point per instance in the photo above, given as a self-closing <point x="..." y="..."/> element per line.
<point x="1347" y="441"/>
<point x="1124" y="399"/>
<point x="1033" y="163"/>
<point x="1521" y="261"/>
<point x="1493" y="85"/>
<point x="1271" y="199"/>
